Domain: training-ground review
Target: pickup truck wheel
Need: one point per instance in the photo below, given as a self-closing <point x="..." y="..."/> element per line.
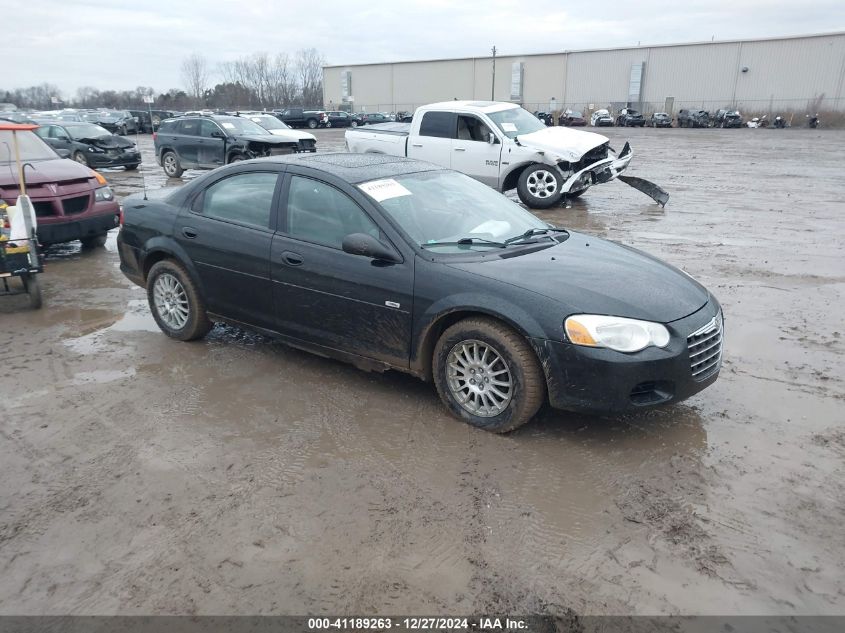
<point x="539" y="187"/>
<point x="487" y="375"/>
<point x="94" y="241"/>
<point x="171" y="165"/>
<point x="312" y="124"/>
<point x="175" y="302"/>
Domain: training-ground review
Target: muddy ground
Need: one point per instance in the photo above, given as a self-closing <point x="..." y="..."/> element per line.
<point x="237" y="476"/>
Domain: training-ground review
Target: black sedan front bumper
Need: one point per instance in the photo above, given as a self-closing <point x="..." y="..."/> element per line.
<point x="598" y="380"/>
<point x="113" y="159"/>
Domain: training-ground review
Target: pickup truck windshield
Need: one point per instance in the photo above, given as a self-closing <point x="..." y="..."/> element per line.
<point x="445" y="206"/>
<point x="516" y="121"/>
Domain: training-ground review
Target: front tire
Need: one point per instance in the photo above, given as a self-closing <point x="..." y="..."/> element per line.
<point x="176" y="303"/>
<point x="487" y="375"/>
<point x="353" y="124"/>
<point x="95" y="241"/>
<point x="539" y="187"/>
<point x="171" y="165"/>
<point x="80" y="158"/>
<point x="328" y="123"/>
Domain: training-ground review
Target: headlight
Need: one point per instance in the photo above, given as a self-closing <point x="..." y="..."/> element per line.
<point x="617" y="333"/>
<point x="91" y="148"/>
<point x="103" y="194"/>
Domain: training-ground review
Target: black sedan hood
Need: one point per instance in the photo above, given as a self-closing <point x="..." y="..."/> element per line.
<point x="108" y="142"/>
<point x="594" y="276"/>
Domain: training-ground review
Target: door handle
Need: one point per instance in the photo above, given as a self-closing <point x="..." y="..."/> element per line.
<point x="460" y="149"/>
<point x="291" y="258"/>
<point x="416" y="144"/>
<point x="189" y="232"/>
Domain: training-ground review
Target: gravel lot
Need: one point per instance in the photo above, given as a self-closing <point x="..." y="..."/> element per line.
<point x="238" y="476"/>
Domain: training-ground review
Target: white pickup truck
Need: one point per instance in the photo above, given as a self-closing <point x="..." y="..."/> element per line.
<point x="506" y="147"/>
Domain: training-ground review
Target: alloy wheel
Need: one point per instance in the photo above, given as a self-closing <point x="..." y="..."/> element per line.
<point x="171" y="301"/>
<point x="479" y="378"/>
<point x="541" y="184"/>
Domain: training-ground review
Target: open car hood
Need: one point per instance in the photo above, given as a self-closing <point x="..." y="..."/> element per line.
<point x="565" y="142"/>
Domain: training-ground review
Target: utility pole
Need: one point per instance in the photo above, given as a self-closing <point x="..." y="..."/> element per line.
<point x="493" y="88"/>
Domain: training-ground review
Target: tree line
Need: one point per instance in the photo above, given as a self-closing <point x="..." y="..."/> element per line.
<point x="259" y="80"/>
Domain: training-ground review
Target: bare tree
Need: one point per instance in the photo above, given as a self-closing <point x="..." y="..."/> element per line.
<point x="195" y="75"/>
<point x="309" y="70"/>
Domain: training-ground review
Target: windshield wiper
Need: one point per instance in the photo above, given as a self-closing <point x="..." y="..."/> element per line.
<point x="532" y="233"/>
<point x="466" y="241"/>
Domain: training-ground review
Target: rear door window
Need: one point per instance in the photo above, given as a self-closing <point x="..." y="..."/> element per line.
<point x="190" y="127"/>
<point x="439" y="124"/>
<point x="244" y="198"/>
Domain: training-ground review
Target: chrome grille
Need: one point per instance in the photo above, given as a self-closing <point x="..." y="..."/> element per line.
<point x="705" y="349"/>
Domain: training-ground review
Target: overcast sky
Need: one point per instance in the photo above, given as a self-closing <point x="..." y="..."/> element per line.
<point x="120" y="45"/>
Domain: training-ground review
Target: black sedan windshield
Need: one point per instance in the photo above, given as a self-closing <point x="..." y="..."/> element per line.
<point x="444" y="207"/>
<point x="86" y="130"/>
<point x="516" y="121"/>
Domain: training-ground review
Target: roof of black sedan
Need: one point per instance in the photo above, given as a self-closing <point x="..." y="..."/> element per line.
<point x="355" y="168"/>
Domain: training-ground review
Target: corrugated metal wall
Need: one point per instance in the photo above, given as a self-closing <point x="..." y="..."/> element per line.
<point x="787" y="74"/>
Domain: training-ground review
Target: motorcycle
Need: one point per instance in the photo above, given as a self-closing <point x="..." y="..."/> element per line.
<point x="780" y="123"/>
<point x="759" y="122"/>
<point x="813" y="121"/>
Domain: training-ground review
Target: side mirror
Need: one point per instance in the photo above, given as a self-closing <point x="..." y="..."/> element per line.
<point x="218" y="134"/>
<point x="368" y="246"/>
<point x="491" y="138"/>
<point x="63" y="153"/>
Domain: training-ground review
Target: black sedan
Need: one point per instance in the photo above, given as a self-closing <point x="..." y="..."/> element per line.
<point x="373" y="118"/>
<point x="90" y="144"/>
<point x="391" y="263"/>
<point x="660" y="119"/>
<point x="117" y="121"/>
<point x="338" y="118"/>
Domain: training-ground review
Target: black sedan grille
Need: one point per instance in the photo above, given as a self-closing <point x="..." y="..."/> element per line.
<point x="72" y="206"/>
<point x="705" y="349"/>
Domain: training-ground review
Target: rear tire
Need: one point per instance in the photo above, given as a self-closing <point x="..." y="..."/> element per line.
<point x="312" y="124"/>
<point x="505" y="392"/>
<point x="175" y="302"/>
<point x="539" y="187"/>
<point x="95" y="241"/>
<point x="171" y="165"/>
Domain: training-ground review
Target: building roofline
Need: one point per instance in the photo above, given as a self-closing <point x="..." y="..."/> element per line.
<point x="596" y="50"/>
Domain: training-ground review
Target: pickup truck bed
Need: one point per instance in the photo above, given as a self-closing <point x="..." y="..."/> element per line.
<point x="384" y="138"/>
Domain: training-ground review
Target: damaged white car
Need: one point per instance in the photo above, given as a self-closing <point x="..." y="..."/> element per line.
<point x="506" y="147"/>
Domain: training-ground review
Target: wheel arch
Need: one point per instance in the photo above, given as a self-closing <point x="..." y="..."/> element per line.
<point x="421" y="363"/>
<point x="162" y="248"/>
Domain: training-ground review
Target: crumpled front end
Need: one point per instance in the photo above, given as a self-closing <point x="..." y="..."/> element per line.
<point x="599" y="165"/>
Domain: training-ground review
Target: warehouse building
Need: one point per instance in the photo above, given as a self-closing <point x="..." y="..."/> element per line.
<point x="786" y="74"/>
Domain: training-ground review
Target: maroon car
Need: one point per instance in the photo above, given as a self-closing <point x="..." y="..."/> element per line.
<point x="72" y="201"/>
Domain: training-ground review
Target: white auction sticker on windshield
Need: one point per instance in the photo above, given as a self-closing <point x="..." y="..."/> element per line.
<point x="385" y="189"/>
<point x="508" y="127"/>
<point x="229" y="126"/>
